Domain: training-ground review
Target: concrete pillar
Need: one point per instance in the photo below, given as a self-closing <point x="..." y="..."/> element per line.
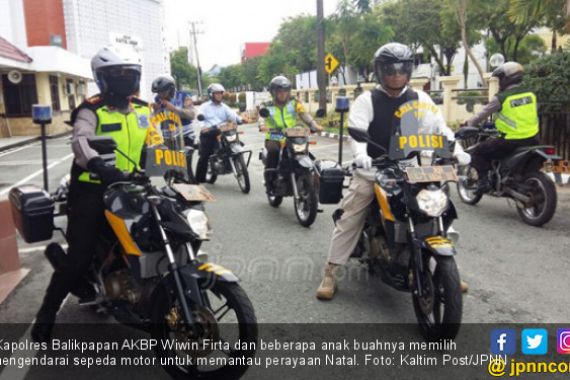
<point x="10" y="271"/>
<point x="449" y="105"/>
<point x="418" y="83"/>
<point x="492" y="85"/>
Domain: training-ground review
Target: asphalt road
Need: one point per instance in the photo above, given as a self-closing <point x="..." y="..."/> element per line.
<point x="516" y="273"/>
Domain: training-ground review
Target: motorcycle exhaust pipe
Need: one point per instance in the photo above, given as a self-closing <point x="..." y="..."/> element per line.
<point x="518" y="196"/>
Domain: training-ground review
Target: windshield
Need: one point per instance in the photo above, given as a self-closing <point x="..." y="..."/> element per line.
<point x="415" y="130"/>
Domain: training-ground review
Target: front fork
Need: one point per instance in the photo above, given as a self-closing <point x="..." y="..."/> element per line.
<point x="179" y="286"/>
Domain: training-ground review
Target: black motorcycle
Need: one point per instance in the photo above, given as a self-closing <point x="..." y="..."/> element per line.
<point x="517" y="177"/>
<point x="146" y="271"/>
<point x="296" y="175"/>
<point x="229" y="156"/>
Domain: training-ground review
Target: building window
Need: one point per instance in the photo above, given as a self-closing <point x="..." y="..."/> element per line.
<point x="70" y="91"/>
<point x="20" y="97"/>
<point x="54" y="91"/>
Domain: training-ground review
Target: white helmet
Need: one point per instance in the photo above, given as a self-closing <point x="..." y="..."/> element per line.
<point x="109" y="58"/>
<point x="215" y="87"/>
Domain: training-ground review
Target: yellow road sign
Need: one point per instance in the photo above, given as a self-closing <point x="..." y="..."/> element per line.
<point x="331" y="63"/>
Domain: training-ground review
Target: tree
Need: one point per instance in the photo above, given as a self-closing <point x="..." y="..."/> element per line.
<point x="362" y="6"/>
<point x="531" y="48"/>
<point x="460" y="7"/>
<point x="549" y="78"/>
<point x="183" y="72"/>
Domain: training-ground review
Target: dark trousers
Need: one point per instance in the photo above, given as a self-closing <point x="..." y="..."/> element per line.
<point x="188" y="142"/>
<point x="273" y="150"/>
<point x="208" y="143"/>
<point x="86" y="221"/>
<point x="496" y="149"/>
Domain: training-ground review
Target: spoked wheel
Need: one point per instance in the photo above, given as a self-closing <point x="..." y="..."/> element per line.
<point x="543" y="199"/>
<point x="440" y="307"/>
<point x="467" y="185"/>
<point x="307" y="204"/>
<point x="229" y="319"/>
<point x="242" y="174"/>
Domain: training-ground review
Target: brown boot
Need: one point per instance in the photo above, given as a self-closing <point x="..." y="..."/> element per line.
<point x="464" y="287"/>
<point x="327" y="288"/>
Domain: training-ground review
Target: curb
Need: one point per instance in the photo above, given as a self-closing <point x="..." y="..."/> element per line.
<point x="31" y="140"/>
<point x="334" y="136"/>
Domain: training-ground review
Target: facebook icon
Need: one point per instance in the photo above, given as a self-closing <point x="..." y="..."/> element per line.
<point x="503" y="342"/>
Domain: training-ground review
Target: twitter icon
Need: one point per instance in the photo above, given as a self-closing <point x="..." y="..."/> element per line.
<point x="534" y="341"/>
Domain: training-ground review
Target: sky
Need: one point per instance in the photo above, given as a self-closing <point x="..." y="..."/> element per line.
<point x="228" y="24"/>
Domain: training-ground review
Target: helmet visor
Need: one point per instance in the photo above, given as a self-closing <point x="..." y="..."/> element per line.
<point x="402" y="68"/>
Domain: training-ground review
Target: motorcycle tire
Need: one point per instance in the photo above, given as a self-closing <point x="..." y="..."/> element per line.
<point x="237" y="300"/>
<point x="306" y="208"/>
<point x="243" y="174"/>
<point x="546" y="192"/>
<point x="467" y="195"/>
<point x="442" y="296"/>
<point x="211" y="175"/>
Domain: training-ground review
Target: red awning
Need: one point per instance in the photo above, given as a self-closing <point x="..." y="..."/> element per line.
<point x="7" y="50"/>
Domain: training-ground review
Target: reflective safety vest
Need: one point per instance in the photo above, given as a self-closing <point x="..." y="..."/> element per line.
<point x="518" y="118"/>
<point x="129" y="132"/>
<point x="282" y="118"/>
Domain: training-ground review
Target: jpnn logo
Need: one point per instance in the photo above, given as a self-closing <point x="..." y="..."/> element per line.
<point x="534" y="341"/>
<point x="504" y="342"/>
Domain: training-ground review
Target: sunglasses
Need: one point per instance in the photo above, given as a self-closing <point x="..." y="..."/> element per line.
<point x="402" y="68"/>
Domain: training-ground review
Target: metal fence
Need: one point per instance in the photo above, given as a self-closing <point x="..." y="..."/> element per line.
<point x="555" y="130"/>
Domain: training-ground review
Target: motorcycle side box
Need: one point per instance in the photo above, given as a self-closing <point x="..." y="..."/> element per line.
<point x="331" y="178"/>
<point x="33" y="212"/>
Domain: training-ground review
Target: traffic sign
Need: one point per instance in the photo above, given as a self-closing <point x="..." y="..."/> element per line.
<point x="331" y="63"/>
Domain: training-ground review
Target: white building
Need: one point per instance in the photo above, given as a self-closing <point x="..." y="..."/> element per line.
<point x="90" y="25"/>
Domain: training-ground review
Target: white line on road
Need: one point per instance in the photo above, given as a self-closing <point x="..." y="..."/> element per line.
<point x="35" y="174"/>
<point x="17" y="149"/>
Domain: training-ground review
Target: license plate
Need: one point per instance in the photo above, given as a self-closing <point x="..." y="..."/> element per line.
<point x="431" y="174"/>
<point x="558" y="166"/>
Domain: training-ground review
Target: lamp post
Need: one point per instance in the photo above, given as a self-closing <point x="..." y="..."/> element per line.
<point x="41" y="115"/>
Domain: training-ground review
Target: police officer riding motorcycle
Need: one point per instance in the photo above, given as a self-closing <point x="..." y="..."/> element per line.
<point x="116" y="113"/>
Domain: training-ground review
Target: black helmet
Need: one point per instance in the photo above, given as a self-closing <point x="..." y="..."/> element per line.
<point x="509" y="73"/>
<point x="391" y="58"/>
<point x="280" y="82"/>
<point x="164" y="83"/>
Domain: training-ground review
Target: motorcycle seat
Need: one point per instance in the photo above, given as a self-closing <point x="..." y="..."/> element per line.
<point x="530" y="147"/>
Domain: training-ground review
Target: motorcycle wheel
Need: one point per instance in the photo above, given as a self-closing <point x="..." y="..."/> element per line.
<point x="440" y="308"/>
<point x="224" y="298"/>
<point x="545" y="199"/>
<point x="306" y="207"/>
<point x="211" y="175"/>
<point x="467" y="184"/>
<point x="242" y="174"/>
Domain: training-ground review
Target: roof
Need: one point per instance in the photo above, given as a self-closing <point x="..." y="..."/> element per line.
<point x="7" y="50"/>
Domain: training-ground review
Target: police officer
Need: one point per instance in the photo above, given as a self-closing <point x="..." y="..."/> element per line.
<point x="116" y="113"/>
<point x="517" y="120"/>
<point x="283" y="114"/>
<point x="374" y="112"/>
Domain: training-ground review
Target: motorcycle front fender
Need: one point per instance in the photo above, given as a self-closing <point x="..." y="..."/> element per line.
<point x="438" y="245"/>
<point x="305" y="161"/>
<point x="236" y="148"/>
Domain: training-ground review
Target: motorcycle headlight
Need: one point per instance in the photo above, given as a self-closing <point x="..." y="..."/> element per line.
<point x="299" y="148"/>
<point x="231" y="138"/>
<point x="432" y="202"/>
<point x="198" y="221"/>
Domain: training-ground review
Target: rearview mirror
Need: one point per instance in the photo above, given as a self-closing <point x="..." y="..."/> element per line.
<point x="358" y="134"/>
<point x="200" y="117"/>
<point x="102" y="144"/>
<point x="320" y="113"/>
<point x="264" y="112"/>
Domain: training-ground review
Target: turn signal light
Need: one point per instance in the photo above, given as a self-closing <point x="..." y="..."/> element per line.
<point x="313" y="142"/>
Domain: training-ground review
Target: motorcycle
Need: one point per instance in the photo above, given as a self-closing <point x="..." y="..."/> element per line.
<point x="406" y="237"/>
<point x="229" y="156"/>
<point x="147" y="271"/>
<point x="296" y="174"/>
<point x="517" y="177"/>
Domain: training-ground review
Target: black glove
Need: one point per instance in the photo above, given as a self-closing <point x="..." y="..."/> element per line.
<point x="107" y="174"/>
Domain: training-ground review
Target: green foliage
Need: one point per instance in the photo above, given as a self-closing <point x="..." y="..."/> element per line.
<point x="531" y="48"/>
<point x="183" y="72"/>
<point x="549" y="78"/>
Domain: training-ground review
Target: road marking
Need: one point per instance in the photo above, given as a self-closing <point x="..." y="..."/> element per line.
<point x="35" y="174"/>
<point x="18" y="149"/>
